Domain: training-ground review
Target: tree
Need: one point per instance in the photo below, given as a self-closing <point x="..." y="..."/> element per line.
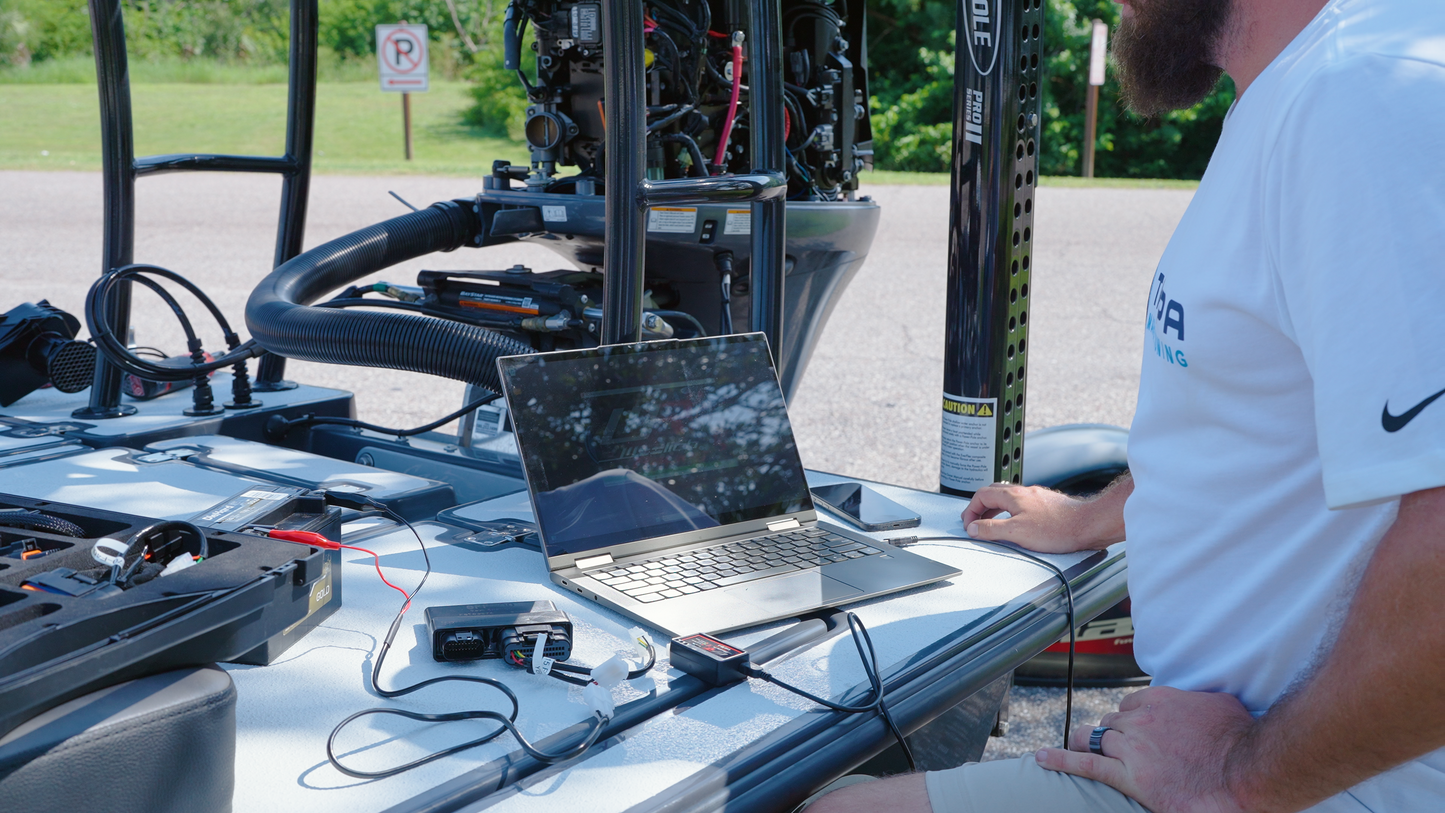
<point x="910" y="46"/>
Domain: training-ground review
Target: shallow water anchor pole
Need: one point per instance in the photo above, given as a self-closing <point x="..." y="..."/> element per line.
<point x="990" y="241"/>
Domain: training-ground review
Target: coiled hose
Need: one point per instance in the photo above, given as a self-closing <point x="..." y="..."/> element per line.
<point x="280" y="321"/>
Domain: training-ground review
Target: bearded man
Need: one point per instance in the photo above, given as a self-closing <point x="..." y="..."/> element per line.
<point x="1285" y="516"/>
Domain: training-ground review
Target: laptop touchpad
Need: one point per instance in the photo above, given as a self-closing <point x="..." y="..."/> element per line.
<point x="801" y="590"/>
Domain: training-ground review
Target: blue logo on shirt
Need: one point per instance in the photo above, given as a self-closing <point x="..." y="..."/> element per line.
<point x="1164" y="315"/>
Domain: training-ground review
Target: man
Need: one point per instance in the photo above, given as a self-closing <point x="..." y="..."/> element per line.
<point x="1286" y="516"/>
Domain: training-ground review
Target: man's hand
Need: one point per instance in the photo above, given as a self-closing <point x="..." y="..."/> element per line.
<point x="1167" y="750"/>
<point x="1048" y="521"/>
<point x="1372" y="704"/>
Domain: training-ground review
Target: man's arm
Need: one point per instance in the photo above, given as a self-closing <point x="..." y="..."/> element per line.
<point x="1373" y="704"/>
<point x="1048" y="521"/>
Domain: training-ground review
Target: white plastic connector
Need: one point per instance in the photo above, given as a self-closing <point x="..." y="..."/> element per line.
<point x="610" y="672"/>
<point x="599" y="699"/>
<point x="178" y="564"/>
<point x="640" y="641"/>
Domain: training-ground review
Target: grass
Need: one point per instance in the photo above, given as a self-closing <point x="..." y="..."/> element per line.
<point x="52" y="121"/>
<point x="358" y="127"/>
<point x="881" y="177"/>
<point x="80" y="70"/>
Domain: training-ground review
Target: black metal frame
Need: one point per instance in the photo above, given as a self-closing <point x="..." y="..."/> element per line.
<point x="629" y="193"/>
<point x="120" y="169"/>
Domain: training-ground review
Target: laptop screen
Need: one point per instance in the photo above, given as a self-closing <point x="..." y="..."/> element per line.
<point x="631" y="442"/>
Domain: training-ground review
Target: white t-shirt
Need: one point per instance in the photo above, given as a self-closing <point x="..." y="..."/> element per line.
<point x="1296" y="322"/>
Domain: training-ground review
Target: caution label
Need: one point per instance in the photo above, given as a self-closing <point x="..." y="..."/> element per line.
<point x="969" y="436"/>
<point x="739" y="221"/>
<point x="672" y="220"/>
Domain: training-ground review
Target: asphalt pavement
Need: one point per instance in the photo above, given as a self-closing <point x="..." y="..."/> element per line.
<point x="868" y="405"/>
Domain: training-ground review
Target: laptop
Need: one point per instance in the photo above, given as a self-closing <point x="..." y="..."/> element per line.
<point x="667" y="486"/>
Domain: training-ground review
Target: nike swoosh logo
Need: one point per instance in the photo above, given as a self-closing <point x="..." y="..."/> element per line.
<point x="1394" y="423"/>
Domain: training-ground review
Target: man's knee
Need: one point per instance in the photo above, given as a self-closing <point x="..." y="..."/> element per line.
<point x="903" y="794"/>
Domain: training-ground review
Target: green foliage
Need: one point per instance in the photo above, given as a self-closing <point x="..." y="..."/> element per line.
<point x="498" y="101"/>
<point x="239" y="32"/>
<point x="910" y="45"/>
<point x="913" y="134"/>
<point x="37" y="30"/>
<point x="910" y="53"/>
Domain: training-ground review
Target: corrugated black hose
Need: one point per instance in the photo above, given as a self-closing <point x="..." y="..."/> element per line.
<point x="280" y="320"/>
<point x="37" y="521"/>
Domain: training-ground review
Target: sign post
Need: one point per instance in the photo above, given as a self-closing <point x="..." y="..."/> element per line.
<point x="1097" y="51"/>
<point x="401" y="58"/>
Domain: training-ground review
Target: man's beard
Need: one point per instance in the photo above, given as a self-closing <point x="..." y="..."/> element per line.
<point x="1166" y="51"/>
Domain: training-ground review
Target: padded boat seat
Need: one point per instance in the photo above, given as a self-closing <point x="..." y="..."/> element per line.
<point x="157" y="744"/>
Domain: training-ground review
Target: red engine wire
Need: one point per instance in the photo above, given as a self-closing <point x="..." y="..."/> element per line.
<point x="727" y="130"/>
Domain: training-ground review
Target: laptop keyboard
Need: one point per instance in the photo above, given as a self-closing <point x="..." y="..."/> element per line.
<point x="682" y="574"/>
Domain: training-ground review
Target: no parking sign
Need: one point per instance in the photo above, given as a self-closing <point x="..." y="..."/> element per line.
<point x="401" y="55"/>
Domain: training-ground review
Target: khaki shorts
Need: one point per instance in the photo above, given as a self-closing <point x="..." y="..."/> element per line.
<point x="1020" y="786"/>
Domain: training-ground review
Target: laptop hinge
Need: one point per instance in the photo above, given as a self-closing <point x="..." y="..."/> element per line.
<point x="784" y="525"/>
<point x="593" y="561"/>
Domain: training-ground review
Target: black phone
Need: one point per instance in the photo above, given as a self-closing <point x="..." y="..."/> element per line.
<point x="864" y="507"/>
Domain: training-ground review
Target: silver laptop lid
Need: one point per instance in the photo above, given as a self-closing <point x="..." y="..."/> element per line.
<point x="629" y="449"/>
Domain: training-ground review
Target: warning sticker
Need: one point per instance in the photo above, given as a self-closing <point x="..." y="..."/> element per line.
<point x="555" y="214"/>
<point x="739" y="221"/>
<point x="968" y="442"/>
<point x="672" y="220"/>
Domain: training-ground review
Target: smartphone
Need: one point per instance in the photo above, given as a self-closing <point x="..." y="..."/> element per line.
<point x="864" y="507"/>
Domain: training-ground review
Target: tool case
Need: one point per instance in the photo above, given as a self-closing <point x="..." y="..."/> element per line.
<point x="246" y="601"/>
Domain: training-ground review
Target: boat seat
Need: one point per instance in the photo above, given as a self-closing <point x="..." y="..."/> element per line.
<point x="160" y="743"/>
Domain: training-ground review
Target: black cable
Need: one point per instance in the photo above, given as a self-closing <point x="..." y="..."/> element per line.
<point x="675" y="64"/>
<point x="97" y="303"/>
<point x="863" y="641"/>
<point x="800" y="125"/>
<point x="699" y="163"/>
<point x="506" y="722"/>
<point x="669" y="119"/>
<point x="1068" y="595"/>
<point x="684" y="316"/>
<point x="277" y="426"/>
<point x="40" y="521"/>
<point x="202" y="549"/>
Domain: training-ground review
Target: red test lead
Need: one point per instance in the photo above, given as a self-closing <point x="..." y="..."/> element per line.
<point x="317" y="540"/>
